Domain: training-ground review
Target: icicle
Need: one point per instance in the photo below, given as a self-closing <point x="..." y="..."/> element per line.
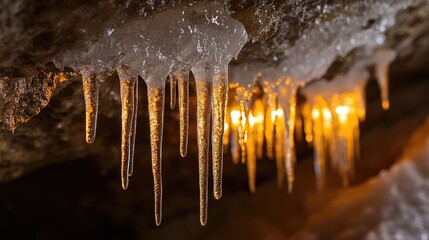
<point x="127" y="84"/>
<point x="134" y="127"/>
<point x="244" y="95"/>
<point x="382" y="59"/>
<point x="383" y="80"/>
<point x="219" y="103"/>
<point x="173" y="90"/>
<point x="251" y="152"/>
<point x="287" y="110"/>
<point x="183" y="79"/>
<point x="258" y="111"/>
<point x="156" y="119"/>
<point x="322" y="132"/>
<point x="270" y="116"/>
<point x="319" y="149"/>
<point x="346" y="122"/>
<point x="242" y="131"/>
<point x="279" y="144"/>
<point x="91" y="87"/>
<point x="204" y="92"/>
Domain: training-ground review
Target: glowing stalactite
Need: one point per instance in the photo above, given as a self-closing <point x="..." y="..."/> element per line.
<point x="251" y="152"/>
<point x="322" y="132"/>
<point x="383" y="81"/>
<point x="203" y="135"/>
<point x="183" y="82"/>
<point x="287" y="110"/>
<point x="219" y="103"/>
<point x="270" y="116"/>
<point x="127" y="85"/>
<point x="242" y="131"/>
<point x="279" y="144"/>
<point x="319" y="149"/>
<point x="382" y="59"/>
<point x="243" y="98"/>
<point x="173" y="90"/>
<point x="258" y="114"/>
<point x="346" y="125"/>
<point x="156" y="121"/>
<point x="91" y="87"/>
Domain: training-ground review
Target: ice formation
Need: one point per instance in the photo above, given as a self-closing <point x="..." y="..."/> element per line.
<point x="334" y="109"/>
<point x="199" y="37"/>
<point x="262" y="110"/>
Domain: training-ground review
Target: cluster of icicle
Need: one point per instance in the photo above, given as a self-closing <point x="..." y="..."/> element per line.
<point x="263" y="112"/>
<point x="254" y="122"/>
<point x="201" y="38"/>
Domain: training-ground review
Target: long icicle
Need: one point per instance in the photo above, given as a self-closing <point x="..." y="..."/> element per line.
<point x="127" y="84"/>
<point x="91" y="87"/>
<point x="134" y="128"/>
<point x="382" y="72"/>
<point x="220" y="90"/>
<point x="156" y="119"/>
<point x="183" y="80"/>
<point x="290" y="144"/>
<point x="203" y="136"/>
<point x="173" y="91"/>
<point x="279" y="145"/>
<point x="251" y="152"/>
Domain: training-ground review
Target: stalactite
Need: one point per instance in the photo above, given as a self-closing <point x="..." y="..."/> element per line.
<point x="183" y="81"/>
<point x="204" y="91"/>
<point x="173" y="90"/>
<point x="156" y="122"/>
<point x="219" y="103"/>
<point x="251" y="152"/>
<point x="91" y="88"/>
<point x="128" y="91"/>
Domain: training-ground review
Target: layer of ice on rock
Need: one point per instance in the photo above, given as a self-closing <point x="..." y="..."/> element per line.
<point x="317" y="49"/>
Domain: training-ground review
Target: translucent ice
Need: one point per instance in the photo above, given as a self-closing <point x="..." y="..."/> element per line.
<point x="201" y="37"/>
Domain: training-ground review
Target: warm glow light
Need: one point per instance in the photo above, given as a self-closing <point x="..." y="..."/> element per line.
<point x="326" y="114"/>
<point x="279" y="112"/>
<point x="315" y="113"/>
<point x="252" y="120"/>
<point x="385" y="104"/>
<point x="273" y="115"/>
<point x="235" y="117"/>
<point x="342" y="110"/>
